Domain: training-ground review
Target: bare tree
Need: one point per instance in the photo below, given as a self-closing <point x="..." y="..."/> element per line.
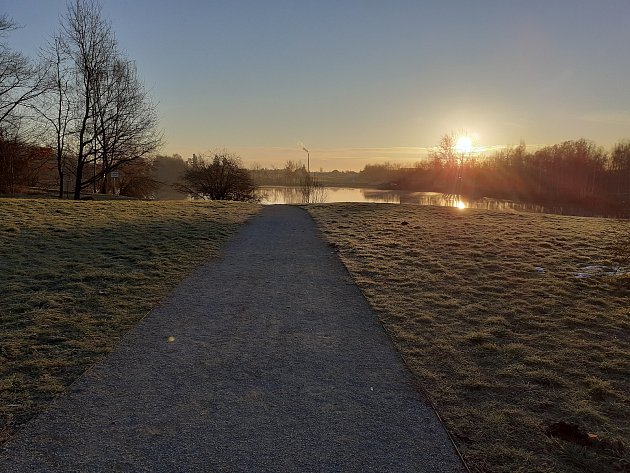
<point x="620" y="170"/>
<point x="90" y="46"/>
<point x="20" y="80"/>
<point x="453" y="161"/>
<point x="55" y="106"/>
<point x="125" y="122"/>
<point x="311" y="189"/>
<point x="222" y="178"/>
<point x="98" y="109"/>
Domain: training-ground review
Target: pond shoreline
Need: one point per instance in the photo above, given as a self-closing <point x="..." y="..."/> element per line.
<point x="293" y="195"/>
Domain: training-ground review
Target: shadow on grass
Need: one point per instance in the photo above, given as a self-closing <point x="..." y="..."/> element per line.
<point x="73" y="288"/>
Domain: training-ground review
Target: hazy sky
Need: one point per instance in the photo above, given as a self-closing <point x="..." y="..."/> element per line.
<point x="360" y="81"/>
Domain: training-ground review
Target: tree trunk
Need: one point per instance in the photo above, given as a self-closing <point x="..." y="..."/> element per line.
<point x="77" y="182"/>
<point x="60" y="184"/>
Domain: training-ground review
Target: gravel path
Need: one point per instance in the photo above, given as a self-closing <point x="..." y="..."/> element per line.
<point x="277" y="364"/>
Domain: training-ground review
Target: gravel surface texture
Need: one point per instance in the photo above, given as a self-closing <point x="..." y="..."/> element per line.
<point x="267" y="359"/>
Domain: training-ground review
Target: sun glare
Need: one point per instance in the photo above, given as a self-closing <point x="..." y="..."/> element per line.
<point x="461" y="205"/>
<point x="464" y="144"/>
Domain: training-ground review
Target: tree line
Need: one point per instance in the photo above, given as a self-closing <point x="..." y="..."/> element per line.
<point x="81" y="105"/>
<point x="574" y="173"/>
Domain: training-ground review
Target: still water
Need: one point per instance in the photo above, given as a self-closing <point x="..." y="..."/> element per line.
<point x="293" y="195"/>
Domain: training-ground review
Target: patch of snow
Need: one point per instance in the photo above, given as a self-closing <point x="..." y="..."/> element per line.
<point x="599" y="270"/>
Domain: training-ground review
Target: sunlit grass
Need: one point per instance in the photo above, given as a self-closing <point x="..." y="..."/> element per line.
<point x="75" y="276"/>
<point x="488" y="313"/>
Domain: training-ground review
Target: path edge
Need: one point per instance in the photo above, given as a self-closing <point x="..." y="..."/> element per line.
<point x="416" y="382"/>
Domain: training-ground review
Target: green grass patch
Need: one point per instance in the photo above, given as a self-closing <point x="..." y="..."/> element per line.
<point x="76" y="276"/>
<point x="490" y="314"/>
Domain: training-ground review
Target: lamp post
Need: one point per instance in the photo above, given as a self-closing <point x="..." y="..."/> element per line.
<point x="308" y="160"/>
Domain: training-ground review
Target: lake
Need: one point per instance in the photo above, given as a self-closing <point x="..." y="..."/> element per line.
<point x="293" y="195"/>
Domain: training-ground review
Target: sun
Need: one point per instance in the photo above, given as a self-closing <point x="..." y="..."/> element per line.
<point x="464" y="144"/>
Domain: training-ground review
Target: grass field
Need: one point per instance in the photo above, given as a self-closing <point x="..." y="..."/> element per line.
<point x="510" y="323"/>
<point x="75" y="276"/>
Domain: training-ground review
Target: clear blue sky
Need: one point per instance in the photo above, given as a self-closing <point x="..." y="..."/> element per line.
<point x="361" y="81"/>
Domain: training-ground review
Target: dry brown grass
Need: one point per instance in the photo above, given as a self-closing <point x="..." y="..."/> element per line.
<point x="75" y="276"/>
<point x="503" y="349"/>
